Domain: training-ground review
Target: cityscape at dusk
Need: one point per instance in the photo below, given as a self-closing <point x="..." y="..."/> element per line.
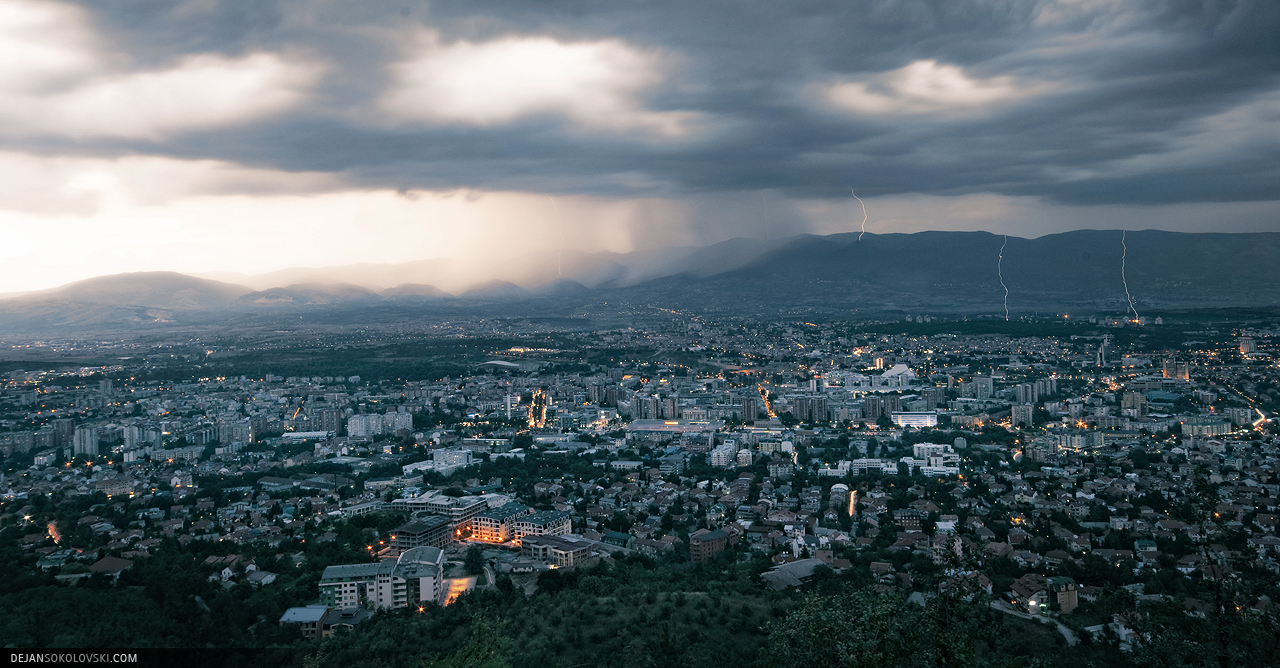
<point x="502" y="335"/>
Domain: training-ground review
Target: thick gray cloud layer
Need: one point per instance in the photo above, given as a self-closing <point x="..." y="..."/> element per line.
<point x="1076" y="101"/>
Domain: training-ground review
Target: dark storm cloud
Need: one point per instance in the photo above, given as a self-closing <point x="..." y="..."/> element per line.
<point x="1139" y="102"/>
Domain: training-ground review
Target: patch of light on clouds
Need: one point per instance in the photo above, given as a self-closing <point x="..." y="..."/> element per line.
<point x="596" y="85"/>
<point x="41" y="42"/>
<point x="151" y="213"/>
<point x="59" y="185"/>
<point x="924" y="87"/>
<point x="56" y="79"/>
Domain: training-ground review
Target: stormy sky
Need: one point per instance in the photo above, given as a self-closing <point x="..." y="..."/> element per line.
<point x="249" y="136"/>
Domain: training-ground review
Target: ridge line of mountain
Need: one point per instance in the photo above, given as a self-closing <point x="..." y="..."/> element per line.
<point x="937" y="270"/>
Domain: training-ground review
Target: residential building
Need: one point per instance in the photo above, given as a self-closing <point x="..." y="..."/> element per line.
<point x="1062" y="593"/>
<point x="1030" y="593"/>
<point x="704" y="544"/>
<point x="432" y="531"/>
<point x="452" y="457"/>
<point x="919" y="420"/>
<point x="1022" y="415"/>
<point x="459" y="509"/>
<point x="545" y="523"/>
<point x="416" y="577"/>
<point x="557" y="551"/>
<point x="85" y="442"/>
<point x="310" y="620"/>
<point x="364" y="425"/>
<point x="495" y="525"/>
<point x="723" y="456"/>
<point x="1036" y="594"/>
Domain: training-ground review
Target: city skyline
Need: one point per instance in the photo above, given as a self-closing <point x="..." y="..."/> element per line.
<point x="487" y="333"/>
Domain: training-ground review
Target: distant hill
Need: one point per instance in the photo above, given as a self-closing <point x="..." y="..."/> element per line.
<point x="618" y="270"/>
<point x="495" y="290"/>
<point x="140" y="299"/>
<point x="304" y="294"/>
<point x="415" y="291"/>
<point x="925" y="272"/>
<point x="563" y="287"/>
<point x="456" y="275"/>
<point x="159" y="289"/>
<point x="1080" y="266"/>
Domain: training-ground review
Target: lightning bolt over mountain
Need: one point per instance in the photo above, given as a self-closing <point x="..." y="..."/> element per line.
<point x="1124" y="252"/>
<point x="1000" y="274"/>
<point x="864" y="214"/>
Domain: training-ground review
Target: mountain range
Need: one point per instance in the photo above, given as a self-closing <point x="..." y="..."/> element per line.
<point x="922" y="272"/>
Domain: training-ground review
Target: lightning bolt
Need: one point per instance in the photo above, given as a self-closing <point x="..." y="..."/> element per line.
<point x="1124" y="252"/>
<point x="560" y="249"/>
<point x="1000" y="273"/>
<point x="864" y="214"/>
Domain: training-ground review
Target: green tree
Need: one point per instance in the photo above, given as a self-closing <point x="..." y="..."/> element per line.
<point x="474" y="561"/>
<point x="851" y="631"/>
<point x="487" y="647"/>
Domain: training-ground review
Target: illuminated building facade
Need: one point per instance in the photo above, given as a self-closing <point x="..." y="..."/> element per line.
<point x="918" y="420"/>
<point x="495" y="525"/>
